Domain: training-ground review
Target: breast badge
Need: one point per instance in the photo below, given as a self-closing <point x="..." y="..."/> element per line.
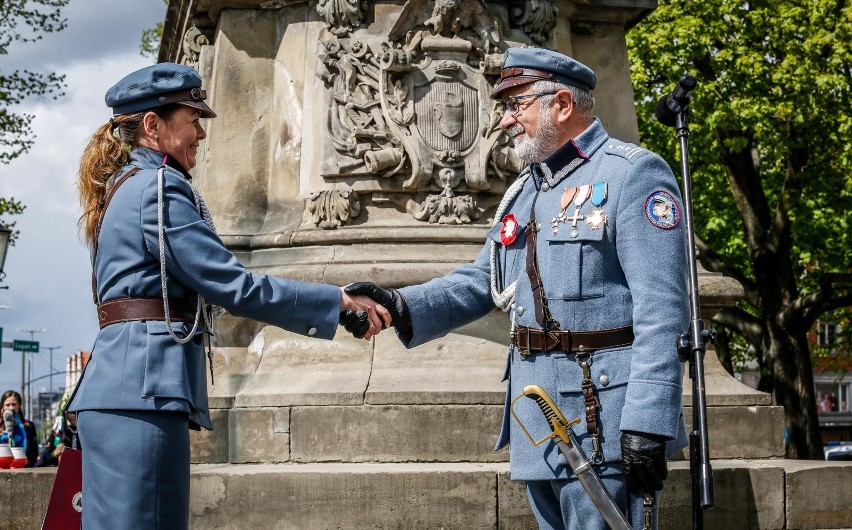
<point x="509" y="231"/>
<point x="662" y="210"/>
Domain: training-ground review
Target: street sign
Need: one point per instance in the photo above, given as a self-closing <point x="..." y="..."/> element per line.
<point x="30" y="346"/>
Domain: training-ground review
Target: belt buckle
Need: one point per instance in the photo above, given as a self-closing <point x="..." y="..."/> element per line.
<point x="524" y="335"/>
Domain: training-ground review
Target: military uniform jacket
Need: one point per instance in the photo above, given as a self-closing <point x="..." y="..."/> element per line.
<point x="137" y="365"/>
<point x="630" y="269"/>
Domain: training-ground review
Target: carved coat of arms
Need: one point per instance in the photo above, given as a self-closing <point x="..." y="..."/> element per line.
<point x="413" y="106"/>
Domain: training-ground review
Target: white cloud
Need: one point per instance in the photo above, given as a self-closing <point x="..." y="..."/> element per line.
<point x="48" y="270"/>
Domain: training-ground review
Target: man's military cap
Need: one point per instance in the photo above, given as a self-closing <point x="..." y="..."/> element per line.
<point x="528" y="65"/>
<point x="157" y="85"/>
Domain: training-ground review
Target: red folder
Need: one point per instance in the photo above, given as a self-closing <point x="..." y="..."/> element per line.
<point x="65" y="509"/>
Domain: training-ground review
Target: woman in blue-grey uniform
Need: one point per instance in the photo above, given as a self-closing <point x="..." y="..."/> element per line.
<point x="158" y="265"/>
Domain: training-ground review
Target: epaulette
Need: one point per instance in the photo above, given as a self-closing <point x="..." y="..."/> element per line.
<point x="629" y="151"/>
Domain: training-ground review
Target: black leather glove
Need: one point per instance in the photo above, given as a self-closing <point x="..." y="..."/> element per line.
<point x="390" y="298"/>
<point x="644" y="459"/>
<point x="355" y="323"/>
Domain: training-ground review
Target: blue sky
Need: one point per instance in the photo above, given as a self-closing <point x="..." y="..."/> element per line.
<point x="48" y="270"/>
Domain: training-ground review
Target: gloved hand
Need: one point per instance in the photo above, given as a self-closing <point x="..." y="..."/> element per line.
<point x="390" y="298"/>
<point x="355" y="322"/>
<point x="644" y="459"/>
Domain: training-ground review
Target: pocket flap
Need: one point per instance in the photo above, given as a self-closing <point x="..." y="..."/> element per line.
<point x="584" y="232"/>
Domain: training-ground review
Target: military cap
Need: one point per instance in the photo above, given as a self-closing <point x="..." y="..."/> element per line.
<point x="157" y="85"/>
<point x="528" y="65"/>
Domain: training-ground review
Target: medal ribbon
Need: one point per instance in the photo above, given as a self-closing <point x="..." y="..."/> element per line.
<point x="582" y="194"/>
<point x="567" y="196"/>
<point x="599" y="190"/>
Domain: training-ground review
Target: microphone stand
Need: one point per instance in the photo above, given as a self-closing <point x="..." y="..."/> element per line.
<point x="691" y="344"/>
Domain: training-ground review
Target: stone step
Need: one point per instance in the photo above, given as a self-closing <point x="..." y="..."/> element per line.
<point x="287" y="398"/>
<point x="755" y="494"/>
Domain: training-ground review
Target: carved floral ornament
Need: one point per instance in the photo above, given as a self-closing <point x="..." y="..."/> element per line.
<point x="193" y="40"/>
<point x="412" y="108"/>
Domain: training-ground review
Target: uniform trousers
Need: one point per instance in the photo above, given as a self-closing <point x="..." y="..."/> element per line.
<point x="565" y="505"/>
<point x="135" y="469"/>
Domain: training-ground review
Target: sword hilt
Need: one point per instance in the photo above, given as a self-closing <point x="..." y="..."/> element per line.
<point x="558" y="424"/>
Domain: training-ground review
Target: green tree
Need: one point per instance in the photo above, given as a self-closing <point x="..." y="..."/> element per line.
<point x="770" y="156"/>
<point x="23" y="21"/>
<point x="151" y="38"/>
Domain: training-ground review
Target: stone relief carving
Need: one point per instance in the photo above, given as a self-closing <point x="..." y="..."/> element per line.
<point x="331" y="208"/>
<point x="414" y="107"/>
<point x="536" y="17"/>
<point x="341" y="16"/>
<point x="193" y="40"/>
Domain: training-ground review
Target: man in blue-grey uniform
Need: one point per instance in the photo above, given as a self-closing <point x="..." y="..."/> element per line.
<point x="587" y="254"/>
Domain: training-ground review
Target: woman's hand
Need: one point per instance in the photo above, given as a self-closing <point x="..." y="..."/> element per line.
<point x="378" y="318"/>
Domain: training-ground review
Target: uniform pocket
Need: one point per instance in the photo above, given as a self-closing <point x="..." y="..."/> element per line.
<point x="167" y="363"/>
<point x="571" y="268"/>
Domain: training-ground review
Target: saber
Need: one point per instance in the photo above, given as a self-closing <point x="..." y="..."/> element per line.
<point x="567" y="443"/>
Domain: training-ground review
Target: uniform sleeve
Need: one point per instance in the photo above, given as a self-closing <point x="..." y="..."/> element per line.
<point x="197" y="258"/>
<point x="444" y="304"/>
<point x="652" y="254"/>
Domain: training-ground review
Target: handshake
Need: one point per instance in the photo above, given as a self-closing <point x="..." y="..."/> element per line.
<point x="367" y="309"/>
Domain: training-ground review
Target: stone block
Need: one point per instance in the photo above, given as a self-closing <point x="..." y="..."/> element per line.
<point x="396" y="433"/>
<point x="819" y="494"/>
<point x="259" y="435"/>
<point x="24" y="494"/>
<point x="743" y="432"/>
<point x="513" y="509"/>
<point x="748" y="494"/>
<point x="358" y="496"/>
<point x="211" y="447"/>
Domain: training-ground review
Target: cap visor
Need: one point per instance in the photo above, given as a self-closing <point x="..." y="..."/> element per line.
<point x="510" y="82"/>
<point x="203" y="109"/>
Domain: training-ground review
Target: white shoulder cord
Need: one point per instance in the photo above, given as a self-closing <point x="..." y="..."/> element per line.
<point x="505" y="299"/>
<point x="162" y="245"/>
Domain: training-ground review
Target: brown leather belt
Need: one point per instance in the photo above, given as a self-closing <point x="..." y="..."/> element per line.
<point x="532" y="340"/>
<point x="127" y="309"/>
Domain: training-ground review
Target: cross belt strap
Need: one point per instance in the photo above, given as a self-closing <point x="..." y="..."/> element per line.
<point x="532" y="340"/>
<point x="128" y="309"/>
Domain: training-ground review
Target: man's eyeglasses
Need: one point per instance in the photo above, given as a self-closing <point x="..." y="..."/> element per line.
<point x="512" y="104"/>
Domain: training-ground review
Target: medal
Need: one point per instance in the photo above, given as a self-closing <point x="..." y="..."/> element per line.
<point x="582" y="194"/>
<point x="567" y="197"/>
<point x="599" y="195"/>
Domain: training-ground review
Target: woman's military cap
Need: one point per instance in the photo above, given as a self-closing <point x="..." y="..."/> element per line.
<point x="528" y="65"/>
<point x="158" y="85"/>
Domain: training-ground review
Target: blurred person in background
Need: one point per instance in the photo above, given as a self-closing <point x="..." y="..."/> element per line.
<point x="24" y="431"/>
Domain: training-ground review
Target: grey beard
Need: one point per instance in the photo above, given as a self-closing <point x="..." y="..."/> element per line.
<point x="534" y="149"/>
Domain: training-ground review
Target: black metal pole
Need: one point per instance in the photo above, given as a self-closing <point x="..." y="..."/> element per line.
<point x="691" y="345"/>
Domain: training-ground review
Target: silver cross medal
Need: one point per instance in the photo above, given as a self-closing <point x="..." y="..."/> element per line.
<point x="583" y="193"/>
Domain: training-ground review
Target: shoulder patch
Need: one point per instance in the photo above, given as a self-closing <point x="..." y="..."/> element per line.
<point x="662" y="210"/>
<point x="629" y="151"/>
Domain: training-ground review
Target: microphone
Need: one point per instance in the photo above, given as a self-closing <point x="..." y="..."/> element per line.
<point x="9" y="422"/>
<point x="676" y="101"/>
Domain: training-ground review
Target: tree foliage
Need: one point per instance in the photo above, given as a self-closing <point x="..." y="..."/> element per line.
<point x="23" y="21"/>
<point x="151" y="38"/>
<point x="771" y="159"/>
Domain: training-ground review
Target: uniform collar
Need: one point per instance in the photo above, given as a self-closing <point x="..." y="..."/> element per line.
<point x="146" y="158"/>
<point x="570" y="156"/>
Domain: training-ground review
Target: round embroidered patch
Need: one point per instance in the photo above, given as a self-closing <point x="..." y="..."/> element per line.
<point x="509" y="230"/>
<point x="662" y="210"/>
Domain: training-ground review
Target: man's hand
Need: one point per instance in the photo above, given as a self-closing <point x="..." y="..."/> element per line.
<point x="389" y="298"/>
<point x="362" y="316"/>
<point x="644" y="459"/>
<point x="355" y="322"/>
